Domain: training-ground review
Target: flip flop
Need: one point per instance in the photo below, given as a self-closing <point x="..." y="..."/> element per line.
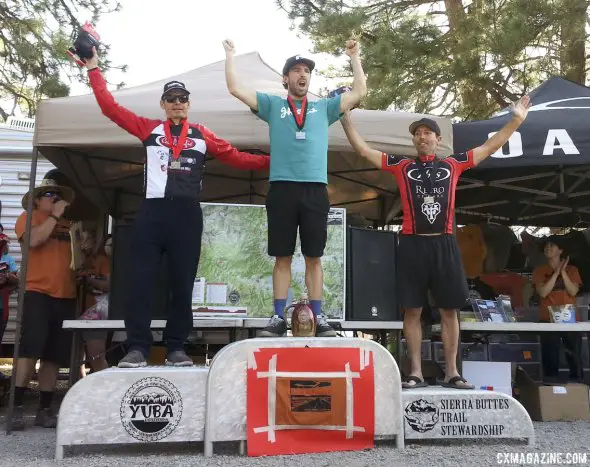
<point x="418" y="383"/>
<point x="453" y="383"/>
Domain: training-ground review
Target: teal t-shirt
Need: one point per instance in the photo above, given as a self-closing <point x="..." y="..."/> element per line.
<point x="292" y="159"/>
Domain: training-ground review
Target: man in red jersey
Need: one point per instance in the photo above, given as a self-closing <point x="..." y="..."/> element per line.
<point x="170" y="218"/>
<point x="428" y="259"/>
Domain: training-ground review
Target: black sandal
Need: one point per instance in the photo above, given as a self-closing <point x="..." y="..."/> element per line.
<point x="453" y="383"/>
<point x="418" y="383"/>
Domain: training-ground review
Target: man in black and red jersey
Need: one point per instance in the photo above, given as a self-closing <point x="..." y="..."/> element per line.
<point x="428" y="258"/>
<point x="170" y="218"/>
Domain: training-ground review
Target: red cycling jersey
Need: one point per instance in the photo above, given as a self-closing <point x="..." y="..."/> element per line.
<point x="428" y="197"/>
<point x="166" y="176"/>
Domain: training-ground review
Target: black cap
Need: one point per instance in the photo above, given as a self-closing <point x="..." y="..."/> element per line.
<point x="292" y="61"/>
<point x="557" y="240"/>
<point x="427" y="122"/>
<point x="174" y="85"/>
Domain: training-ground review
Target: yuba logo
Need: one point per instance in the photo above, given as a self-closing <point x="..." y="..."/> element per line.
<point x="151" y="409"/>
<point x="163" y="141"/>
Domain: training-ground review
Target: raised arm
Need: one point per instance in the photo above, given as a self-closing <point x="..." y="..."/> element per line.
<point x="519" y="113"/>
<point x="359" y="82"/>
<point x="358" y="143"/>
<point x="226" y="153"/>
<point x="247" y="96"/>
<point x="544" y="288"/>
<point x="137" y="126"/>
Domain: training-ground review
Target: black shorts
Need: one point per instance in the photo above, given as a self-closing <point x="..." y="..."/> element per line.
<point x="292" y="205"/>
<point x="42" y="334"/>
<point x="430" y="264"/>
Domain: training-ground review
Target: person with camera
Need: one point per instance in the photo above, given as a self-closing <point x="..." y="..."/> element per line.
<point x="49" y="298"/>
<point x="298" y="197"/>
<point x="170" y="218"/>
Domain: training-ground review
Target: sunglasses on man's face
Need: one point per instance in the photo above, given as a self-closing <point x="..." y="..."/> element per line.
<point x="51" y="194"/>
<point x="173" y="99"/>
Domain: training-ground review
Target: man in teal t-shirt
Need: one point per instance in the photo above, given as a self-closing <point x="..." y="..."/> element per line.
<point x="297" y="197"/>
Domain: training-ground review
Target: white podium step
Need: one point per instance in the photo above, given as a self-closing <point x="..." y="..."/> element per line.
<point x="442" y="413"/>
<point x="226" y="402"/>
<point x="139" y="405"/>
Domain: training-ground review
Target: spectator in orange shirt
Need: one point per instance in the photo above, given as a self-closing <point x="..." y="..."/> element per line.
<point x="97" y="271"/>
<point x="557" y="283"/>
<point x="49" y="299"/>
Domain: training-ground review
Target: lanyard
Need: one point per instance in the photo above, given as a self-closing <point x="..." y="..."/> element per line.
<point x="429" y="181"/>
<point x="176" y="148"/>
<point x="299" y="117"/>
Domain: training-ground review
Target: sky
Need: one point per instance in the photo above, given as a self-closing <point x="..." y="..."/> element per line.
<point x="162" y="38"/>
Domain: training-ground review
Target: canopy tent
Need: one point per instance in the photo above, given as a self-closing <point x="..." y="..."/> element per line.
<point x="106" y="163"/>
<point x="542" y="175"/>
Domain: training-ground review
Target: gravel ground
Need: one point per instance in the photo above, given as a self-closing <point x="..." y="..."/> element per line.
<point x="36" y="447"/>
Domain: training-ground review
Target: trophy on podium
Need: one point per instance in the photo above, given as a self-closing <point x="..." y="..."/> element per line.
<point x="303" y="322"/>
<point x="82" y="48"/>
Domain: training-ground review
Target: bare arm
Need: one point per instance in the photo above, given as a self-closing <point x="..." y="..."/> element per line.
<point x="247" y="96"/>
<point x="358" y="143"/>
<point x="40" y="233"/>
<point x="545" y="288"/>
<point x="359" y="82"/>
<point x="488" y="148"/>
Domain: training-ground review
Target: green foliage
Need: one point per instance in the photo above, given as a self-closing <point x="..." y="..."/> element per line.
<point x="34" y="37"/>
<point x="461" y="58"/>
<point x="234" y="252"/>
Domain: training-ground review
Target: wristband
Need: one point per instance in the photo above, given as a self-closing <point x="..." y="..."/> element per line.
<point x="55" y="217"/>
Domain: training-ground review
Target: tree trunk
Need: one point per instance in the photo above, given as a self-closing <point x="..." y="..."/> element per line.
<point x="573" y="40"/>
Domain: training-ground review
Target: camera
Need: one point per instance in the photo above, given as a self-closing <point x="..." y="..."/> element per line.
<point x="82" y="48"/>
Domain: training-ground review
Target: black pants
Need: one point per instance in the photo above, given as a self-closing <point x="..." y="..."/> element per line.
<point x="297" y="205"/>
<point x="174" y="226"/>
<point x="430" y="264"/>
<point x="42" y="334"/>
<point x="550" y="349"/>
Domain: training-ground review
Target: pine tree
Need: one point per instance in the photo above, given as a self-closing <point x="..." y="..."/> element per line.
<point x="34" y="37"/>
<point x="462" y="58"/>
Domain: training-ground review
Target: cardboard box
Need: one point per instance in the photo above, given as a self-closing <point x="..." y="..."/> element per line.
<point x="568" y="402"/>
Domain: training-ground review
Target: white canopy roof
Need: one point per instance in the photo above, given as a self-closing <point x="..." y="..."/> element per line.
<point x="107" y="163"/>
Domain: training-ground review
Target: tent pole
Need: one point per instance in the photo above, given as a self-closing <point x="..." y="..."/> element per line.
<point x="25" y="244"/>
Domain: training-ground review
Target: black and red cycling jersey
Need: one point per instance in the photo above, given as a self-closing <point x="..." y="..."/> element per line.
<point x="165" y="176"/>
<point x="428" y="198"/>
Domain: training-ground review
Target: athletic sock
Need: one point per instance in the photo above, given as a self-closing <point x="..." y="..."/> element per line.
<point x="19" y="394"/>
<point x="45" y="398"/>
<point x="280" y="304"/>
<point x="316" y="307"/>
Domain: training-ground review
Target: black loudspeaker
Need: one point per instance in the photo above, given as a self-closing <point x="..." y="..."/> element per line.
<point x="371" y="275"/>
<point x="120" y="283"/>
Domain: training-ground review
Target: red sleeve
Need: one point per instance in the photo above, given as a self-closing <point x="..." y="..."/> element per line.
<point x="226" y="153"/>
<point x="137" y="126"/>
<point x="391" y="163"/>
<point x="462" y="162"/>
